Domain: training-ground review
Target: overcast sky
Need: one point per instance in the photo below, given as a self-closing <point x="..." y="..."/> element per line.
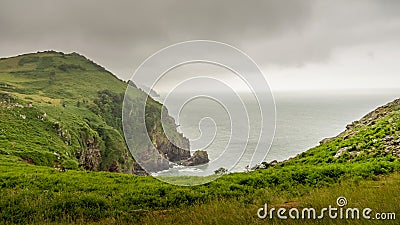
<point x="297" y="44"/>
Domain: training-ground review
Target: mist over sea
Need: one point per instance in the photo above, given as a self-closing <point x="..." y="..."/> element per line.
<point x="302" y="120"/>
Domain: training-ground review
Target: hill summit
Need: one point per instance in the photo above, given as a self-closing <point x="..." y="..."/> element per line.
<point x="64" y="110"/>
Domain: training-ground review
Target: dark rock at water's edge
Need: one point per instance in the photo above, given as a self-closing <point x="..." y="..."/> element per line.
<point x="170" y="151"/>
<point x="198" y="158"/>
<point x="265" y="165"/>
<point x="162" y="162"/>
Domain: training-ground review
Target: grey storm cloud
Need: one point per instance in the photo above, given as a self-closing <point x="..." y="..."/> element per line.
<point x="121" y="34"/>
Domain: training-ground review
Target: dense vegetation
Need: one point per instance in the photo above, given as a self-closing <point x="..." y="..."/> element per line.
<point x="42" y="179"/>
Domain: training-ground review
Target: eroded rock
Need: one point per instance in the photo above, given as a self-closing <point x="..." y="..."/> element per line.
<point x="199" y="157"/>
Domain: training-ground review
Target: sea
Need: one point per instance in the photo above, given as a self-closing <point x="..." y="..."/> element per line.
<point x="302" y="119"/>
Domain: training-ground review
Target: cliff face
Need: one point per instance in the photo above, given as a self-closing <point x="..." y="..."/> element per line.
<point x="90" y="157"/>
<point x="63" y="110"/>
<point x="167" y="149"/>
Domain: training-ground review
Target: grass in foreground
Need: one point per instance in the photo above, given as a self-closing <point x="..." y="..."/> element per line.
<point x="381" y="194"/>
<point x="37" y="195"/>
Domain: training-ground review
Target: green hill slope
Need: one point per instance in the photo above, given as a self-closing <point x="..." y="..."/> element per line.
<point x="63" y="110"/>
<point x="375" y="137"/>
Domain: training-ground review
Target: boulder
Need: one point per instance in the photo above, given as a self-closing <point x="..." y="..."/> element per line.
<point x="274" y="163"/>
<point x="325" y="140"/>
<point x="198" y="158"/>
<point x="340" y="152"/>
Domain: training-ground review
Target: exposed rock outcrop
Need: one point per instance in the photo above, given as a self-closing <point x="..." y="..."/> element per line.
<point x="340" y="152"/>
<point x="90" y="158"/>
<point x="172" y="152"/>
<point x="199" y="157"/>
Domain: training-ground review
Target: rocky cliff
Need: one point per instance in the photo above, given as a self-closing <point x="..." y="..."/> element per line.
<point x="63" y="110"/>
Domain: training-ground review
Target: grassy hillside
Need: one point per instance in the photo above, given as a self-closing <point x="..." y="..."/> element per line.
<point x="374" y="138"/>
<point x="34" y="194"/>
<point x="63" y="110"/>
<point x="362" y="164"/>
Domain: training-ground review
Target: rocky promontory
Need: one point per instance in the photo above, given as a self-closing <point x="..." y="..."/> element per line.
<point x="199" y="157"/>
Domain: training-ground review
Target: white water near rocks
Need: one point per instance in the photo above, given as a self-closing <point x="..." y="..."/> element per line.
<point x="303" y="119"/>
